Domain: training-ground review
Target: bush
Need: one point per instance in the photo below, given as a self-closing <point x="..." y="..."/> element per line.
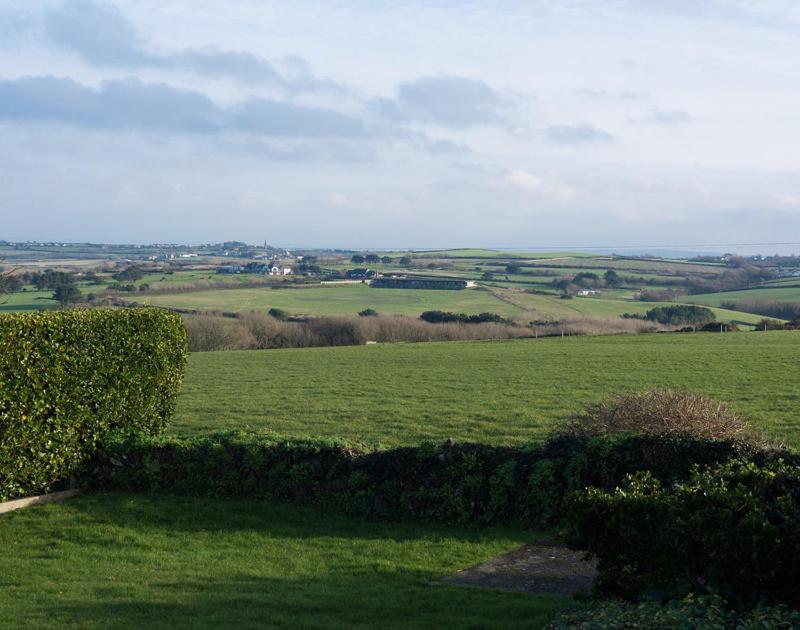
<point x="664" y="412"/>
<point x="689" y="612"/>
<point x="278" y="313"/>
<point x="69" y="378"/>
<point x="439" y="317"/>
<point x="453" y="483"/>
<point x="733" y="530"/>
<point x="681" y="315"/>
<point x="368" y="312"/>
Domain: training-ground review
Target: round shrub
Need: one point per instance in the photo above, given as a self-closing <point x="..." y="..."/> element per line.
<point x="664" y="412"/>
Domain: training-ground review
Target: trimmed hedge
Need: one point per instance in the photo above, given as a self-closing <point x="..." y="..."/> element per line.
<point x="733" y="530"/>
<point x="69" y="378"/>
<point x="452" y="483"/>
<point x="689" y="612"/>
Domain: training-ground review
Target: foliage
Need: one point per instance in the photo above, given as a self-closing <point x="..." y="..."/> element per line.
<point x="439" y="317"/>
<point x="452" y="483"/>
<point x="71" y="377"/>
<point x="129" y="274"/>
<point x="278" y="313"/>
<point x="708" y="611"/>
<point x="732" y="529"/>
<point x="681" y="314"/>
<point x="664" y="412"/>
<point x="67" y="294"/>
<point x="368" y="312"/>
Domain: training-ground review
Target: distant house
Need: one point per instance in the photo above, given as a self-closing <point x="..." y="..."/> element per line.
<point x="361" y="274"/>
<point x="279" y="270"/>
<point x="587" y="292"/>
<point x="230" y="269"/>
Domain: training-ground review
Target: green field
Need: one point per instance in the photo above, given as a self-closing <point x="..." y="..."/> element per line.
<point x="349" y="299"/>
<point x="774" y="293"/>
<point x="506" y="392"/>
<point x="121" y="561"/>
<point x="341" y="299"/>
<point x="27" y="301"/>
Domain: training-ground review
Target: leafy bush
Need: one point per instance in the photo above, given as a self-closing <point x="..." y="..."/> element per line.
<point x="440" y="317"/>
<point x="681" y="314"/>
<point x="69" y="378"/>
<point x="453" y="483"/>
<point x="733" y="530"/>
<point x="664" y="412"/>
<point x="689" y="612"/>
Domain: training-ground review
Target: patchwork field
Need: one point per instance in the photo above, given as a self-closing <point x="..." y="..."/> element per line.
<point x="506" y="392"/>
<point x="114" y="560"/>
<point x="349" y="299"/>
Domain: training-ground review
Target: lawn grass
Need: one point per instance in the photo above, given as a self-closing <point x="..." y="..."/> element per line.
<point x="137" y="561"/>
<point x="506" y="392"/>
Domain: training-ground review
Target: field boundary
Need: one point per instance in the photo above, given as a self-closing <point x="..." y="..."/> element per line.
<point x="52" y="497"/>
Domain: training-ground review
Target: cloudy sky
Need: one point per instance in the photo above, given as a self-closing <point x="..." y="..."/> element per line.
<point x="363" y="123"/>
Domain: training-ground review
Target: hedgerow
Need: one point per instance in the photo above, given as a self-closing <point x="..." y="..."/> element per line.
<point x="733" y="529"/>
<point x="70" y="378"/>
<point x="452" y="483"/>
<point x="689" y="612"/>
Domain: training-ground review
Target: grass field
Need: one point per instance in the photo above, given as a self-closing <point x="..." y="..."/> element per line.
<point x="343" y="299"/>
<point x="120" y="561"/>
<point x="773" y="293"/>
<point x="27" y="301"/>
<point x="496" y="392"/>
<point x="349" y="299"/>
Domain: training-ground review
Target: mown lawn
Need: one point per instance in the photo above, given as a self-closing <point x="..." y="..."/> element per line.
<point x="136" y="561"/>
<point x="506" y="392"/>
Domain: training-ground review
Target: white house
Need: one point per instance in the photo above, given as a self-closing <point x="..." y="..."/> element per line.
<point x="279" y="270"/>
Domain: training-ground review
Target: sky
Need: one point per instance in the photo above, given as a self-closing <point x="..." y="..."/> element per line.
<point x="374" y="124"/>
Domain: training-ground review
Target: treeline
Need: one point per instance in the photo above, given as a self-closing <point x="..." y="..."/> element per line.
<point x="253" y="331"/>
<point x="446" y="317"/>
<point x="768" y="308"/>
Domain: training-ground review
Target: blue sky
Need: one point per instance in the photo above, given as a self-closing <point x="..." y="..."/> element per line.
<point x="403" y="124"/>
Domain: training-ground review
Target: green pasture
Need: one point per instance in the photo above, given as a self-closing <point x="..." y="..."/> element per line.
<point x="30" y="300"/>
<point x="773" y="293"/>
<point x="125" y="561"/>
<point x="336" y="299"/>
<point x="349" y="299"/>
<point x="500" y="392"/>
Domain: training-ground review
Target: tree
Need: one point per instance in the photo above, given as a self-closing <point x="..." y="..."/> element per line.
<point x="131" y="274"/>
<point x="67" y="294"/>
<point x="279" y="314"/>
<point x="612" y="278"/>
<point x="372" y="258"/>
<point x="405" y="261"/>
<point x="513" y="269"/>
<point x="387" y="260"/>
<point x="358" y="259"/>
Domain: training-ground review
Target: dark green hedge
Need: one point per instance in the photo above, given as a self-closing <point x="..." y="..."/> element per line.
<point x="733" y="530"/>
<point x="707" y="611"/>
<point x="69" y="378"/>
<point x="452" y="483"/>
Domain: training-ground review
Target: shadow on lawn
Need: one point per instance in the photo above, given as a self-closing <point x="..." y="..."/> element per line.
<point x="367" y="600"/>
<point x="199" y="514"/>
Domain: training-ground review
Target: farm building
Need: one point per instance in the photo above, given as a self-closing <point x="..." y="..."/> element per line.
<point x="361" y="274"/>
